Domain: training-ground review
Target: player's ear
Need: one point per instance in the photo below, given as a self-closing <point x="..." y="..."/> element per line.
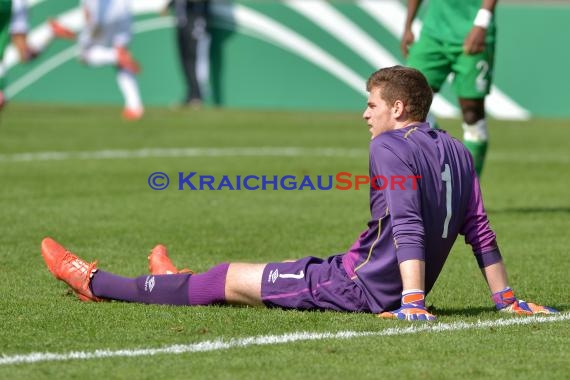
<point x="398" y="109"/>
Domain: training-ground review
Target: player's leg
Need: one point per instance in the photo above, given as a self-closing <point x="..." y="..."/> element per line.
<point x="99" y="55"/>
<point x="60" y="31"/>
<point x="243" y="280"/>
<point x="130" y="89"/>
<point x="41" y="41"/>
<point x="236" y="283"/>
<point x="120" y="35"/>
<point x="243" y="284"/>
<point x="475" y="135"/>
<point x="205" y="288"/>
<point x="187" y="45"/>
<point x="240" y="285"/>
<point x="472" y="82"/>
<point x="427" y="55"/>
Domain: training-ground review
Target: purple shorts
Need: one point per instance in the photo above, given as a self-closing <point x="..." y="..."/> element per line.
<point x="311" y="283"/>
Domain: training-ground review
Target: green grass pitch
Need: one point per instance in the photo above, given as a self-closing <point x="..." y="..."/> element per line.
<point x="104" y="209"/>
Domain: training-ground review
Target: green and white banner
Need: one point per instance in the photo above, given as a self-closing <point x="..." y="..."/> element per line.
<point x="295" y="54"/>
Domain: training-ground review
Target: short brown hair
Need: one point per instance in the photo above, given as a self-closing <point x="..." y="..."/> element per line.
<point x="405" y="84"/>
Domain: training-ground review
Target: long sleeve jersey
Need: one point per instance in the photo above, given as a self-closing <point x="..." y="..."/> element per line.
<point x="424" y="193"/>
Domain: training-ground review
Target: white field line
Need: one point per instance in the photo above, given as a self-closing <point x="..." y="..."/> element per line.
<point x="521" y="157"/>
<point x="184" y="152"/>
<point x="265" y="340"/>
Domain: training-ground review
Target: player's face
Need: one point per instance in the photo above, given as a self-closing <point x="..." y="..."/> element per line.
<point x="378" y="114"/>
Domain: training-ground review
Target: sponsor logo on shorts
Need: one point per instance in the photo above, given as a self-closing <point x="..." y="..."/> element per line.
<point x="149" y="284"/>
<point x="273" y="276"/>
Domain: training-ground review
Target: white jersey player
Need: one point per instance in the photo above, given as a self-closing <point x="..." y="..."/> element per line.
<point x="16" y="25"/>
<point x="104" y="41"/>
<point x="19" y="28"/>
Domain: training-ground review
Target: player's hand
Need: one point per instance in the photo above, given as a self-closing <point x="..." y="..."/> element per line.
<point x="407" y="39"/>
<point x="527" y="308"/>
<point x="413" y="308"/>
<point x="475" y="41"/>
<point x="29" y="55"/>
<point x="506" y="302"/>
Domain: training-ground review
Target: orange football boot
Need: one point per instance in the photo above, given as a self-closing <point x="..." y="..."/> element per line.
<point x="159" y="262"/>
<point x="61" y="31"/>
<point x="69" y="268"/>
<point x="126" y="60"/>
<point x="131" y="114"/>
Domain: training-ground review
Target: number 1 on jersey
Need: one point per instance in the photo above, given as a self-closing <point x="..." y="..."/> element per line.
<point x="446" y="177"/>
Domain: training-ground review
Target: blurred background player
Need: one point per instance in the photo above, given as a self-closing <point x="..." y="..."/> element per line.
<point x="193" y="45"/>
<point x="104" y="41"/>
<point x="19" y="28"/>
<point x="458" y="36"/>
<point x="14" y="24"/>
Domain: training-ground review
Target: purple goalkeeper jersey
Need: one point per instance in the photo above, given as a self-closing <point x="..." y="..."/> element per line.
<point x="430" y="194"/>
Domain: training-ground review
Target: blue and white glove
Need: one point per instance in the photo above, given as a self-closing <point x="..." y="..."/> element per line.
<point x="505" y="301"/>
<point x="413" y="308"/>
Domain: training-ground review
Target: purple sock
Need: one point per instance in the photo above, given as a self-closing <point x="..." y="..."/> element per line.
<point x="209" y="287"/>
<point x="167" y="289"/>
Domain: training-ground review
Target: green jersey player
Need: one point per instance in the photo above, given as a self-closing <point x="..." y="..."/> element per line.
<point x="5" y="13"/>
<point x="458" y="37"/>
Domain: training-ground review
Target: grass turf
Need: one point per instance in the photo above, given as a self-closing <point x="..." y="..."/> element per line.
<point x="104" y="209"/>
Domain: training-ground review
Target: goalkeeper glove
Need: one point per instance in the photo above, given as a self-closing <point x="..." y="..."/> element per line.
<point x="506" y="301"/>
<point x="413" y="308"/>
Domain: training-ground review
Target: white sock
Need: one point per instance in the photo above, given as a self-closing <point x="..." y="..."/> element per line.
<point x="475" y="132"/>
<point x="130" y="89"/>
<point x="100" y="55"/>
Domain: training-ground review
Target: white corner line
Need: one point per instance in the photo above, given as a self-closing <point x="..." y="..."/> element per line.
<point x="263" y="340"/>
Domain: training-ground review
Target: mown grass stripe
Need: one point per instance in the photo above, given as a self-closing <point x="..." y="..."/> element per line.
<point x="117" y="154"/>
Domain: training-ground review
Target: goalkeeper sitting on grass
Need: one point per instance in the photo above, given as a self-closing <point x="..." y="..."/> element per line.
<point x="393" y="264"/>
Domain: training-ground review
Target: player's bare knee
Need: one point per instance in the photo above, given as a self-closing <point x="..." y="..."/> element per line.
<point x="243" y="284"/>
<point x="473" y="110"/>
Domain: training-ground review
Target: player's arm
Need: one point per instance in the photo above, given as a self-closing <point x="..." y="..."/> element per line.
<point x="408" y="36"/>
<point x="404" y="206"/>
<point x="19" y="42"/>
<point x="19" y="31"/>
<point x="475" y="41"/>
<point x="482" y="239"/>
<point x="25" y="52"/>
<point x="504" y="297"/>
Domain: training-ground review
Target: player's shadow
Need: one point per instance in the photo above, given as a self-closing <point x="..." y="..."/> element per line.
<point x="470" y="311"/>
<point x="478" y="311"/>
